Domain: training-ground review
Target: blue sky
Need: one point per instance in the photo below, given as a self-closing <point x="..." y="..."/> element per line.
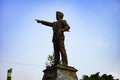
<point x="93" y="43"/>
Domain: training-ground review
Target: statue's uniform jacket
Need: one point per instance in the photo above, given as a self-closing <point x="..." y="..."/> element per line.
<point x="57" y="35"/>
<point x="58" y="38"/>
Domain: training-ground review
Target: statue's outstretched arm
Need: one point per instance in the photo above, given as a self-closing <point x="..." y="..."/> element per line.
<point x="45" y="22"/>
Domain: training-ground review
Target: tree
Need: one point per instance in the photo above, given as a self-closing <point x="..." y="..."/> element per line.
<point x="85" y="77"/>
<point x="96" y="76"/>
<point x="106" y="77"/>
<point x="50" y="61"/>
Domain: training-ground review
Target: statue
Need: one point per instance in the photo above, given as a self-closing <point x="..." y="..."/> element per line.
<point x="59" y="27"/>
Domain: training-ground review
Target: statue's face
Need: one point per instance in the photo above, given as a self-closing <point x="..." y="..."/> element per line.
<point x="57" y="17"/>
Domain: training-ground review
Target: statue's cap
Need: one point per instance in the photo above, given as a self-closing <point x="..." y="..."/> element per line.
<point x="60" y="13"/>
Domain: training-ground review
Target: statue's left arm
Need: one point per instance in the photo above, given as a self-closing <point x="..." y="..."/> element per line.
<point x="66" y="26"/>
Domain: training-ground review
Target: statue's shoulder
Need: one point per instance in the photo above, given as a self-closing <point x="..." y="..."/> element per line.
<point x="63" y="20"/>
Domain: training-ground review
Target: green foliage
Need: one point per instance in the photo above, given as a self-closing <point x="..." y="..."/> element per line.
<point x="106" y="77"/>
<point x="85" y="77"/>
<point x="97" y="77"/>
<point x="51" y="60"/>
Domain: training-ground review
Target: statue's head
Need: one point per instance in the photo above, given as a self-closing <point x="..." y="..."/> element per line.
<point x="59" y="15"/>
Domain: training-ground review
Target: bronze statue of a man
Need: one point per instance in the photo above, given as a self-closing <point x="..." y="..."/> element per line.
<point x="59" y="27"/>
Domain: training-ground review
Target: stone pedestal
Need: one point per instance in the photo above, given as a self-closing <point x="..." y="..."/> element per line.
<point x="60" y="72"/>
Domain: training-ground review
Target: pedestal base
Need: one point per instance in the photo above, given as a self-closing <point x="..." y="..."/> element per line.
<point x="60" y="72"/>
